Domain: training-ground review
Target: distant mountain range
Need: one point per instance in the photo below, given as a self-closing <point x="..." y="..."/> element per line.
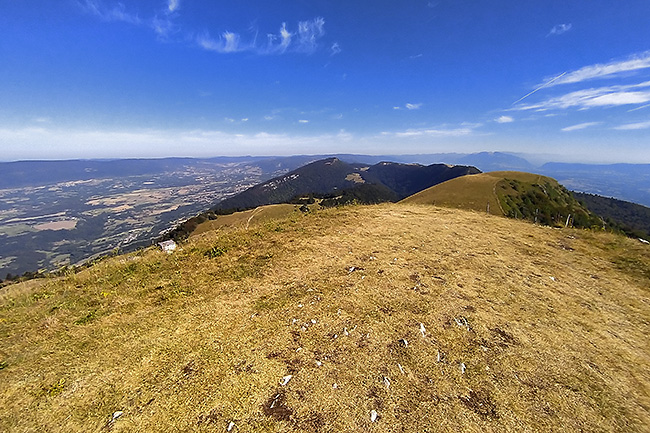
<point x="386" y="181"/>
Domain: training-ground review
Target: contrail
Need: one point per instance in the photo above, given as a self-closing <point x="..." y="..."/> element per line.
<point x="548" y="83"/>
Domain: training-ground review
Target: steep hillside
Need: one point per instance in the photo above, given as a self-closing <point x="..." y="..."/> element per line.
<point x="630" y="218"/>
<point x="379" y="318"/>
<point x="332" y="175"/>
<point x="513" y="194"/>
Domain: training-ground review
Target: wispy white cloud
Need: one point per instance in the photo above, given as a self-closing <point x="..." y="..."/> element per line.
<point x="173" y="5"/>
<point x="612" y="69"/>
<point x="309" y="32"/>
<point x="548" y="83"/>
<point x="443" y="131"/>
<point x="413" y="106"/>
<point x="633" y="126"/>
<point x="117" y="12"/>
<point x="504" y="119"/>
<point x="163" y="26"/>
<point x="305" y="40"/>
<point x="279" y="43"/>
<point x="335" y="49"/>
<point x="164" y="23"/>
<point x="228" y="42"/>
<point x="639" y="108"/>
<point x="303" y="121"/>
<point x="608" y="96"/>
<point x="559" y="29"/>
<point x="580" y="126"/>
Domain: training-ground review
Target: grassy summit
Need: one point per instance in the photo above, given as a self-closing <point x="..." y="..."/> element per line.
<point x="513" y="194"/>
<point x="417" y="317"/>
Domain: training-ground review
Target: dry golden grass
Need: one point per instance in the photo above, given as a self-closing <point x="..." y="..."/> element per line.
<point x="247" y="218"/>
<point x="471" y="192"/>
<point x="551" y="326"/>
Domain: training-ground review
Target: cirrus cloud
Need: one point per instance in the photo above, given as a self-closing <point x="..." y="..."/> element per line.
<point x="504" y="119"/>
<point x="559" y="29"/>
<point x="633" y="126"/>
<point x="608" y="96"/>
<point x="579" y="126"/>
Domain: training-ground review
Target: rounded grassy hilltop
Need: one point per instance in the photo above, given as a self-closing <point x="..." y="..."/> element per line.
<point x="395" y="317"/>
<point x="513" y="194"/>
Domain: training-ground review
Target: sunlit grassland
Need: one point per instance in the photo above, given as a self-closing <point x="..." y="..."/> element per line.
<point x="436" y="319"/>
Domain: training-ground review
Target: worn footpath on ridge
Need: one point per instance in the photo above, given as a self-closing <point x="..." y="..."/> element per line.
<point x="379" y="318"/>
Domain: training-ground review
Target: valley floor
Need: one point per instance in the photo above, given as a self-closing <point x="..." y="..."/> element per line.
<point x="365" y="318"/>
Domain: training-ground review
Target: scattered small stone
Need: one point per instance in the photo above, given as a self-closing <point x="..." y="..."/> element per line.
<point x="335" y="386"/>
<point x="294" y="321"/>
<point x="285" y="380"/>
<point x="462" y="368"/>
<point x="400" y="368"/>
<point x="422" y="330"/>
<point x="404" y="342"/>
<point x="299" y="349"/>
<point x="552" y="279"/>
<point x="299" y="305"/>
<point x="231" y="425"/>
<point x="387" y="382"/>
<point x="335" y="336"/>
<point x="318" y="363"/>
<point x="313" y="321"/>
<point x="373" y="415"/>
<point x="117" y="414"/>
<point x="462" y="322"/>
<point x="438" y="358"/>
<point x="345" y="331"/>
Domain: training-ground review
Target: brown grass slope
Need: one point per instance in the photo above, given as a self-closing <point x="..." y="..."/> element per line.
<point x="473" y="192"/>
<point x="246" y="219"/>
<point x="376" y="308"/>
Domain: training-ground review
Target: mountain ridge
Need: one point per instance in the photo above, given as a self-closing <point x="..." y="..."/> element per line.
<point x="332" y="174"/>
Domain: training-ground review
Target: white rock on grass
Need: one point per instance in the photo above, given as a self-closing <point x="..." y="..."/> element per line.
<point x="373" y="415"/>
<point x="422" y="330"/>
<point x="231" y="425"/>
<point x="285" y="380"/>
<point x="117" y="414"/>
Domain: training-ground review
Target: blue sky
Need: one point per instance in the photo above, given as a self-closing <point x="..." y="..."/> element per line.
<point x="568" y="80"/>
